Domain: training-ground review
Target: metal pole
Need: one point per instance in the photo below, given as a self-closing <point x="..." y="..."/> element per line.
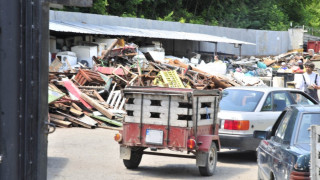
<point x="168" y="126"/>
<point x="173" y="49"/>
<point x="216" y="48"/>
<point x="197" y="113"/>
<point x="240" y="50"/>
<point x="141" y="119"/>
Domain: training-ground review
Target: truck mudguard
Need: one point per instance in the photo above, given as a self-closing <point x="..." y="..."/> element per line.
<point x="204" y="142"/>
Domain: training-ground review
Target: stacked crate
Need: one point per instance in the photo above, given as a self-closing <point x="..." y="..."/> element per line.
<point x="181" y="109"/>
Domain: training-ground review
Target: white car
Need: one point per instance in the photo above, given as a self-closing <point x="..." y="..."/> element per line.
<point x="246" y="109"/>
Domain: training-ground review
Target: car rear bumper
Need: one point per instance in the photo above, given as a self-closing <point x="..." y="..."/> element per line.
<point x="240" y="142"/>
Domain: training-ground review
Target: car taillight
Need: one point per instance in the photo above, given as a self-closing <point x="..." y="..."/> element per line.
<point x="118" y="137"/>
<point x="191" y="144"/>
<point x="296" y="175"/>
<point x="236" y="124"/>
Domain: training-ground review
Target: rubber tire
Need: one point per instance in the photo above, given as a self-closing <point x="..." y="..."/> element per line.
<point x="134" y="160"/>
<point x="212" y="158"/>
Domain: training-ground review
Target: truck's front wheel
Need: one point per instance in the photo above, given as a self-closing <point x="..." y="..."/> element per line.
<point x="210" y="167"/>
<point x="134" y="160"/>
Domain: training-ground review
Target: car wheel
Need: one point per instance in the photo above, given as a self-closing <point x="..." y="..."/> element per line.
<point x="210" y="167"/>
<point x="134" y="160"/>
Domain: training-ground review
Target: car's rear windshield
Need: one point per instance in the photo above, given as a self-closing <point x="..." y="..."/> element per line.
<point x="307" y="120"/>
<point x="240" y="100"/>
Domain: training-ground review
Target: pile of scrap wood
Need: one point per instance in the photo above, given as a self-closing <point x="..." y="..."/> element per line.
<point x="93" y="98"/>
<point x="134" y="68"/>
<point x="80" y="100"/>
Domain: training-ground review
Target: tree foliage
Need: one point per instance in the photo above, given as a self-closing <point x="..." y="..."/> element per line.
<point x="99" y="7"/>
<point x="253" y="14"/>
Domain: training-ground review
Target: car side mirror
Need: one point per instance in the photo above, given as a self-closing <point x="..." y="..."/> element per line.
<point x="260" y="134"/>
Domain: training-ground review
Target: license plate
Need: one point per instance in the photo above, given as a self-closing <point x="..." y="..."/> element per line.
<point x="154" y="137"/>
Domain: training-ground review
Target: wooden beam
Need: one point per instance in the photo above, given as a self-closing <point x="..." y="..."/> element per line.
<point x="61" y="122"/>
<point x="74" y="105"/>
<point x="76" y="113"/>
<point x="57" y="116"/>
<point x="96" y="105"/>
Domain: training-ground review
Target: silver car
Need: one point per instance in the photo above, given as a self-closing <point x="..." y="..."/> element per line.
<point x="246" y="109"/>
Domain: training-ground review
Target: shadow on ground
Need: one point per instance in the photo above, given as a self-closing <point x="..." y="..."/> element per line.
<point x="242" y="157"/>
<point x="189" y="171"/>
<point x="182" y="171"/>
<point x="55" y="164"/>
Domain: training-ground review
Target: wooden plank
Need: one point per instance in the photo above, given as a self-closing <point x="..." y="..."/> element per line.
<point x="99" y="107"/>
<point x="82" y="80"/>
<point x="118" y="101"/>
<point x="111" y="94"/>
<point x="76" y="92"/>
<point x="98" y="96"/>
<point x="54" y="87"/>
<point x="69" y="66"/>
<point x="109" y="127"/>
<point x="109" y="70"/>
<point x="57" y="116"/>
<point x="107" y="120"/>
<point x="74" y="105"/>
<point x="86" y="119"/>
<point x="61" y="106"/>
<point x="55" y="65"/>
<point x="76" y="120"/>
<point x="114" y="98"/>
<point x="83" y="73"/>
<point x="106" y="52"/>
<point x="76" y="113"/>
<point x="122" y="103"/>
<point x="61" y="122"/>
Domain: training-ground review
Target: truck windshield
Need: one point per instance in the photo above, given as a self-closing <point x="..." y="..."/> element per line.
<point x="307" y="120"/>
<point x="240" y="100"/>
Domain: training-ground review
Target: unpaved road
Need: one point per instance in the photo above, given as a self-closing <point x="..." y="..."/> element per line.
<point x="83" y="154"/>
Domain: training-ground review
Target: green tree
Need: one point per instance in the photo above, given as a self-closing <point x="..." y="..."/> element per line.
<point x="295" y="9"/>
<point x="99" y="7"/>
<point x="253" y="14"/>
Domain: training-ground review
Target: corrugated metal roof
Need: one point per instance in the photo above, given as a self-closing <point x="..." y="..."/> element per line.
<point x="76" y="27"/>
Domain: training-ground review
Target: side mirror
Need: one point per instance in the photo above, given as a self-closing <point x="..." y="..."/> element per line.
<point x="260" y="134"/>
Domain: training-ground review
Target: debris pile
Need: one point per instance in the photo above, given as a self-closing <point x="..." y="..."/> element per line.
<point x="87" y="92"/>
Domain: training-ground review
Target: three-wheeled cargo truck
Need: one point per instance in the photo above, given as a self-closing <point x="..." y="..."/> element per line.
<point x="170" y="118"/>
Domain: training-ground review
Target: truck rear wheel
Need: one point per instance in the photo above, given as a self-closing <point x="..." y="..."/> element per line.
<point x="134" y="160"/>
<point x="210" y="167"/>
